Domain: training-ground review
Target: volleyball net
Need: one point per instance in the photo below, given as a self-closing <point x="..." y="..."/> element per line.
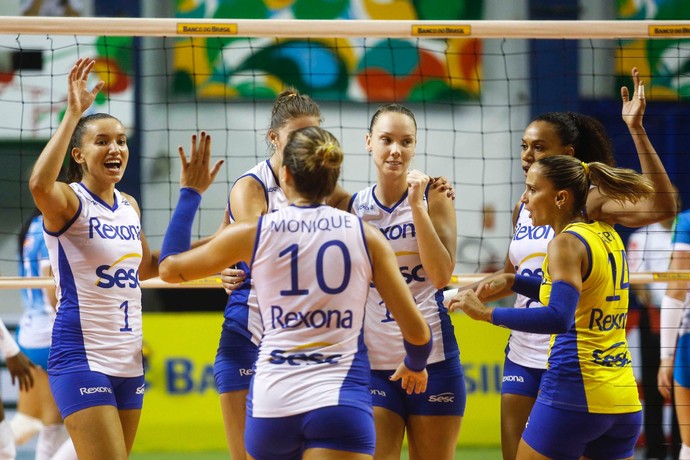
<point x="473" y="86"/>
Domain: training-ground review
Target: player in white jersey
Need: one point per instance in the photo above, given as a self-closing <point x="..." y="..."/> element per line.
<point x="674" y="370"/>
<point x="36" y="409"/>
<point x="567" y="133"/>
<point x="98" y="255"/>
<point x="312" y="265"/>
<point x="421" y="229"/>
<point x="254" y="193"/>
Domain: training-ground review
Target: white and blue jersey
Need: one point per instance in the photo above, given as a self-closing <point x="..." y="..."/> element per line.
<point x="95" y="260"/>
<point x="241" y="312"/>
<point x="314" y="270"/>
<point x="526" y="252"/>
<point x="36" y="323"/>
<point x="382" y="334"/>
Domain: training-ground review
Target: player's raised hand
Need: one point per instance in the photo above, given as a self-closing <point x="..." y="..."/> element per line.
<point x="195" y="173"/>
<point x="79" y="97"/>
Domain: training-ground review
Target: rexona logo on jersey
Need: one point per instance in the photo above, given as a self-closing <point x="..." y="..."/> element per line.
<point x="598" y="319"/>
<point x="110" y="276"/>
<point x="532" y="233"/>
<point x="338" y="319"/>
<point x="395" y="232"/>
<point x="302" y="355"/>
<point x="113" y="232"/>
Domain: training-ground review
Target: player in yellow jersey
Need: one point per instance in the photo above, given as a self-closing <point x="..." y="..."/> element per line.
<point x="588" y="405"/>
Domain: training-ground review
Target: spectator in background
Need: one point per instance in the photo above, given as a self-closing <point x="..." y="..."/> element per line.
<point x="51" y="7"/>
<point x="649" y="250"/>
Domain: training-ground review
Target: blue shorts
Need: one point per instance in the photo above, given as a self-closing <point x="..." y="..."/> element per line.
<point x="75" y="391"/>
<point x="234" y="364"/>
<point x="344" y="428"/>
<point x="569" y="435"/>
<point x="681" y="366"/>
<point x="520" y="380"/>
<point x="446" y="393"/>
<point x="38" y="356"/>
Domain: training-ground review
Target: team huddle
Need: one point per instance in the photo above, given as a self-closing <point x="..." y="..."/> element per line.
<point x="335" y="338"/>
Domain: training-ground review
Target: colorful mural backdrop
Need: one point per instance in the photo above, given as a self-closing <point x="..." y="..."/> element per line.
<point x="336" y="69"/>
<point x="666" y="59"/>
<point x="38" y="93"/>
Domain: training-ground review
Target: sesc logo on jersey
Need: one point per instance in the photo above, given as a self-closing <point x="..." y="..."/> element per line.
<point x="109" y="276"/>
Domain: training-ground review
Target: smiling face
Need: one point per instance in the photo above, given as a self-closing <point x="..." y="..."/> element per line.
<point x="541" y="140"/>
<point x="540" y="197"/>
<point x="392" y="142"/>
<point x="102" y="152"/>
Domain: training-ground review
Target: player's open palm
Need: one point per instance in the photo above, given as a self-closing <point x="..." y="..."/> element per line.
<point x="195" y="172"/>
<point x="79" y="97"/>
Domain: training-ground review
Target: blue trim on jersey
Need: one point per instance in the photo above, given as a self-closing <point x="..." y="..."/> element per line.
<point x="352" y="200"/>
<point x="67" y="225"/>
<point x="236" y="311"/>
<point x="263" y="186"/>
<point x="681" y="366"/>
<point x="387" y="209"/>
<point x="67" y="352"/>
<point x="354" y="390"/>
<point x="589" y="254"/>
<point x="681" y="231"/>
<point x="450" y="343"/>
<point x="98" y="199"/>
<point x="563" y="375"/>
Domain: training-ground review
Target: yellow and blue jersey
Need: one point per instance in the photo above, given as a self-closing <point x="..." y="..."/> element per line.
<point x="589" y="367"/>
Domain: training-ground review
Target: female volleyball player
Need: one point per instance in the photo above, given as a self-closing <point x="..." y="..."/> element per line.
<point x="312" y="266"/>
<point x="98" y="254"/>
<point x="675" y="334"/>
<point x="572" y="134"/>
<point x="421" y="228"/>
<point x="588" y="403"/>
<point x="255" y="193"/>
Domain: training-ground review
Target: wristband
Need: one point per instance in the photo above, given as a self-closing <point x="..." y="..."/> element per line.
<point x="7" y="344"/>
<point x="417" y="355"/>
<point x="178" y="236"/>
<point x="671" y="313"/>
<point x="527" y="285"/>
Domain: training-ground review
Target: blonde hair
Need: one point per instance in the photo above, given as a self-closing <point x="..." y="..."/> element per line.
<point x="313" y="156"/>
